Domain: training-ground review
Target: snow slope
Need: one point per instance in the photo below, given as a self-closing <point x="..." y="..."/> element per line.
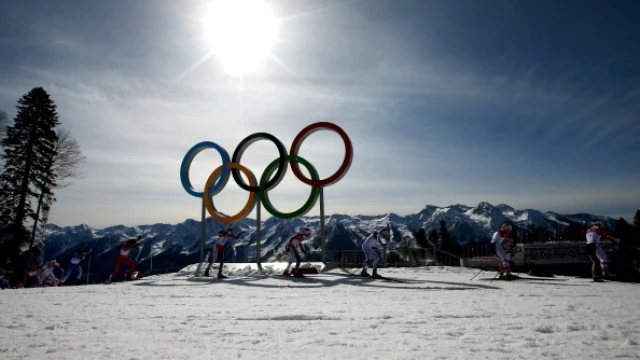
<point x="438" y="313"/>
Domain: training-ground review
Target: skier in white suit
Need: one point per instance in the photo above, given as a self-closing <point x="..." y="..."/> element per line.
<point x="369" y="247"/>
<point x="499" y="240"/>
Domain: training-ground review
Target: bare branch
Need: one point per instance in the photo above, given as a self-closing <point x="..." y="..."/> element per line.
<point x="69" y="161"/>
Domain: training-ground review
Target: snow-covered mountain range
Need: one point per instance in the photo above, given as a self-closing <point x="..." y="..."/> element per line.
<point x="179" y="245"/>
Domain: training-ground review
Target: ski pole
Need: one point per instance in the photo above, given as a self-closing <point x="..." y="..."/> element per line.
<point x="88" y="268"/>
<point x="474" y="276"/>
<point x="151" y="258"/>
<point x="139" y="252"/>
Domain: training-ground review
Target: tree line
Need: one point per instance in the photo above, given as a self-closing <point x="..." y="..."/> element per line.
<point x="38" y="157"/>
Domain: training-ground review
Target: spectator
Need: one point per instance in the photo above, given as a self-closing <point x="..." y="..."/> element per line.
<point x="31" y="263"/>
<point x="4" y="283"/>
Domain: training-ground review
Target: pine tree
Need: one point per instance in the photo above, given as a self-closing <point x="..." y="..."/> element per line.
<point x="636" y="219"/>
<point x="625" y="232"/>
<point x="433" y="238"/>
<point x="28" y="147"/>
<point x="421" y="238"/>
<point x="445" y="238"/>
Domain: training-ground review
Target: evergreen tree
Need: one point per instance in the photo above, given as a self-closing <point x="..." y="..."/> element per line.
<point x="29" y="146"/>
<point x="433" y="238"/>
<point x="421" y="238"/>
<point x="636" y="219"/>
<point x="445" y="238"/>
<point x="625" y="232"/>
<point x="625" y="258"/>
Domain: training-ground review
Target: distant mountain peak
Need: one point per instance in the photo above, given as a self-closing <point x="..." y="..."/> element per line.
<point x="485" y="205"/>
<point x="171" y="243"/>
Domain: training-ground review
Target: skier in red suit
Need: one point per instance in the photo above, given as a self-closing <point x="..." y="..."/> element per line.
<point x="123" y="257"/>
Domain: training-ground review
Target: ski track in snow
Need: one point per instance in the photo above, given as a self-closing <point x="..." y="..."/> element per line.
<point x="437" y="314"/>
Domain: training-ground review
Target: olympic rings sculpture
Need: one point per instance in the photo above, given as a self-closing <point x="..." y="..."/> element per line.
<point x="220" y="176"/>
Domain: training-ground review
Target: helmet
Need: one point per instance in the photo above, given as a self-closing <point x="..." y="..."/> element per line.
<point x="599" y="224"/>
<point x="306" y="231"/>
<point x="384" y="234"/>
<point x="229" y="227"/>
<point x="506" y="227"/>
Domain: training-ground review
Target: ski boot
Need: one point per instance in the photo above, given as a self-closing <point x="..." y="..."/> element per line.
<point x="597" y="279"/>
<point x="365" y="273"/>
<point x="375" y="274"/>
<point x="220" y="276"/>
<point x="286" y="273"/>
<point x="131" y="275"/>
<point x="297" y="273"/>
<point x="206" y="273"/>
<point x="607" y="274"/>
<point x="510" y="276"/>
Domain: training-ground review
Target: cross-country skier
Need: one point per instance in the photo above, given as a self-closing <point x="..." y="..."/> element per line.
<point x="217" y="249"/>
<point x="596" y="254"/>
<point x="47" y="277"/>
<point x="369" y="247"/>
<point x="293" y="245"/>
<point x="123" y="257"/>
<point x="499" y="240"/>
<point x="74" y="265"/>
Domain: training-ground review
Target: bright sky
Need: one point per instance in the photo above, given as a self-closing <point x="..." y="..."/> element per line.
<point x="438" y="313"/>
<point x="530" y="103"/>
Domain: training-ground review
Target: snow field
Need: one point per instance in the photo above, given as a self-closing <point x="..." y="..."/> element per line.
<point x="437" y="313"/>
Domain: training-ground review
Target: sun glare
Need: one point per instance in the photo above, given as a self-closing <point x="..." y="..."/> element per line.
<point x="241" y="33"/>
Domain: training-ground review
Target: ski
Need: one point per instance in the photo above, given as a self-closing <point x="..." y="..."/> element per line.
<point x="140" y="276"/>
<point x="542" y="278"/>
<point x="293" y="277"/>
<point x="223" y="277"/>
<point x="252" y="275"/>
<point x="516" y="278"/>
<point x="356" y="276"/>
<point x="215" y="276"/>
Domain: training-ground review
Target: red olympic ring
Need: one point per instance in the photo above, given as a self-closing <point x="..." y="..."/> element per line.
<point x="344" y="167"/>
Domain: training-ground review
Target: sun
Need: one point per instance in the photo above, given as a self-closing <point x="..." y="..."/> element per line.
<point x="240" y="33"/>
